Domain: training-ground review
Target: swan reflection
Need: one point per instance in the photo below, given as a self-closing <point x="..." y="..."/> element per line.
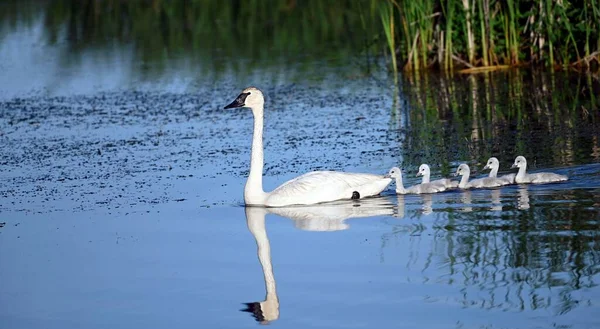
<point x="326" y="217"/>
<point x="523" y="199"/>
<point x="332" y="216"/>
<point x="467" y="200"/>
<point x="427" y="206"/>
<point x="496" y="203"/>
<point x="267" y="310"/>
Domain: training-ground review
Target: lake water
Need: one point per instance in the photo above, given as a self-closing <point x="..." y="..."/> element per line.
<point x="121" y="201"/>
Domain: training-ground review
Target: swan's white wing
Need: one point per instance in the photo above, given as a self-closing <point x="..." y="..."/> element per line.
<point x="448" y="183"/>
<point x="426" y="188"/>
<point x="486" y="182"/>
<point x="546" y="177"/>
<point x="510" y="178"/>
<point x="325" y="186"/>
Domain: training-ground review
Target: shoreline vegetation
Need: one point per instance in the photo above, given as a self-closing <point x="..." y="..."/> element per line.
<point x="466" y="36"/>
<point x="481" y="35"/>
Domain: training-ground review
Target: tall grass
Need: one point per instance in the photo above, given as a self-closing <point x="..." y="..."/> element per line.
<point x="444" y="34"/>
<point x="471" y="33"/>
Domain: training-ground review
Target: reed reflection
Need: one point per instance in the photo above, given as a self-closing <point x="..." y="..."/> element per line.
<point x="474" y="117"/>
<point x="506" y="256"/>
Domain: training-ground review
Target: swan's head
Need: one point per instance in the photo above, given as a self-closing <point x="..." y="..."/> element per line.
<point x="462" y="170"/>
<point x="423" y="170"/>
<point x="394" y="173"/>
<point x="519" y="162"/>
<point x="492" y="163"/>
<point x="250" y="97"/>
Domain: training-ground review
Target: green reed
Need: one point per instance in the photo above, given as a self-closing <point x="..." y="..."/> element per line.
<point x="386" y="12"/>
<point x="417" y="34"/>
<point x="470" y="33"/>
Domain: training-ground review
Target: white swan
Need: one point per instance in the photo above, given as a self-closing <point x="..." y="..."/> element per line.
<point x="426" y="173"/>
<point x="464" y="183"/>
<point x="310" y="188"/>
<point x="396" y="173"/>
<point x="542" y="177"/>
<point x="493" y="164"/>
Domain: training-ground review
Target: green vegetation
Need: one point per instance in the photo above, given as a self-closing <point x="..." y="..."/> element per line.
<point x="417" y="34"/>
<point x="471" y="33"/>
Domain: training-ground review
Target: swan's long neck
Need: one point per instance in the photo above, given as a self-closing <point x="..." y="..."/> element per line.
<point x="521" y="172"/>
<point x="399" y="185"/>
<point x="464" y="180"/>
<point x="494" y="172"/>
<point x="426" y="176"/>
<point x="253" y="192"/>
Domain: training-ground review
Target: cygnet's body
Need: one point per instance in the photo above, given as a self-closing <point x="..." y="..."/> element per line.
<point x="536" y="178"/>
<point x="464" y="183"/>
<point x="396" y="173"/>
<point x="493" y="164"/>
<point x="426" y="173"/>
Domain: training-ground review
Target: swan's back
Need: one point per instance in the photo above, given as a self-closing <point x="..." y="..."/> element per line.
<point x="426" y="188"/>
<point x="325" y="186"/>
<point x="486" y="182"/>
<point x="509" y="179"/>
<point x="448" y="183"/>
<point x="543" y="177"/>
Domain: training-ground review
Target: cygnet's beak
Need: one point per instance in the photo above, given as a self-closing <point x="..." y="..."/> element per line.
<point x="487" y="167"/>
<point x="455" y="174"/>
<point x="514" y="165"/>
<point x="238" y="102"/>
<point x="419" y="174"/>
<point x="387" y="176"/>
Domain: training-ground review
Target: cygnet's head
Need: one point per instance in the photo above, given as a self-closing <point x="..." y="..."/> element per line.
<point x="423" y="170"/>
<point x="394" y="173"/>
<point x="250" y="97"/>
<point x="519" y="162"/>
<point x="462" y="170"/>
<point x="492" y="163"/>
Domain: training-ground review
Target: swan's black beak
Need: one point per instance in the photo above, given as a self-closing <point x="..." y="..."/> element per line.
<point x="238" y="102"/>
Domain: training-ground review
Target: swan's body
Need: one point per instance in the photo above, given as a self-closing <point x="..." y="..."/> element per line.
<point x="310" y="188"/>
<point x="537" y="178"/>
<point x="396" y="173"/>
<point x="324" y="186"/>
<point x="464" y="183"/>
<point x="426" y="173"/>
<point x="493" y="164"/>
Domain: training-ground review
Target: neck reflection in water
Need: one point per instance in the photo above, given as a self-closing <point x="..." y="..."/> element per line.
<point x="267" y="310"/>
<point x="325" y="217"/>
